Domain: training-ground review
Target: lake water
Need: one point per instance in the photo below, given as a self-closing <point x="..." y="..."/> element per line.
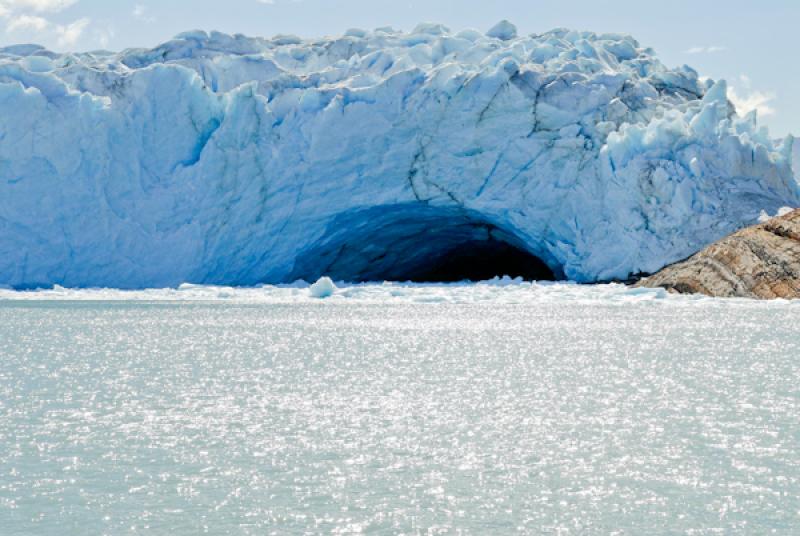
<point x="467" y="409"/>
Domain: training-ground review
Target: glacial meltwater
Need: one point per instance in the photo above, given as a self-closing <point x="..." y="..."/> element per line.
<point x="493" y="408"/>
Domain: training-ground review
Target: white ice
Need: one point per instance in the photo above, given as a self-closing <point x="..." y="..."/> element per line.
<point x="222" y="159"/>
<point x="323" y="288"/>
<point x="498" y="290"/>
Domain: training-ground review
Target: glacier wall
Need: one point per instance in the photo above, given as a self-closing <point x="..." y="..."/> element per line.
<point x="226" y="159"/>
<point x="796" y="160"/>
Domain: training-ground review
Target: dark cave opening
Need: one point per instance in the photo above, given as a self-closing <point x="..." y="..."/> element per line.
<point x="419" y="243"/>
<point x="481" y="260"/>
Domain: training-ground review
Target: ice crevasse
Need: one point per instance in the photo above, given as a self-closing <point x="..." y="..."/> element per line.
<point x="373" y="155"/>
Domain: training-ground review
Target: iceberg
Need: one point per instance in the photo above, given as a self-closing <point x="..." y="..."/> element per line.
<point x="324" y="288"/>
<point x="230" y="160"/>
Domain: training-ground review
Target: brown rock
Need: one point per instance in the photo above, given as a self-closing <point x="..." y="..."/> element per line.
<point x="762" y="262"/>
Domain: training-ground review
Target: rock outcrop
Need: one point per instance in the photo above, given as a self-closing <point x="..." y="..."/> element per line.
<point x="761" y="262"/>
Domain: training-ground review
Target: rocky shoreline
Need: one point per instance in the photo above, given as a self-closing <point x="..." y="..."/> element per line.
<point x="761" y="262"/>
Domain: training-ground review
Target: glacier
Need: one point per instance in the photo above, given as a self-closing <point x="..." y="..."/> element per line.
<point x="231" y="160"/>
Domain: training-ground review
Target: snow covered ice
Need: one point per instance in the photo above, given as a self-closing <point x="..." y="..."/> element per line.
<point x="231" y="160"/>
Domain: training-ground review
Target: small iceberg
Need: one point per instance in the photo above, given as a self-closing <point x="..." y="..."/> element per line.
<point x="323" y="288"/>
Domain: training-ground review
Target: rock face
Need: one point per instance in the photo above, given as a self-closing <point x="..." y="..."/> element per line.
<point x="233" y="160"/>
<point x="762" y="261"/>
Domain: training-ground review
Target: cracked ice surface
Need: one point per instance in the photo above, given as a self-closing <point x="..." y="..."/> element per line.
<point x="224" y="159"/>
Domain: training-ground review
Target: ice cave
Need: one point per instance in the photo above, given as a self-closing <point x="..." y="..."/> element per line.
<point x="428" y="155"/>
<point x="420" y="243"/>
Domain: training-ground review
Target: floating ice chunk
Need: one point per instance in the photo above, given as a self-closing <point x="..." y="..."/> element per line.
<point x="323" y="288"/>
<point x="653" y="293"/>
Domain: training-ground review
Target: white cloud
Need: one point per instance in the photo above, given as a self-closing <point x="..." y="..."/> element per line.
<point x="755" y="100"/>
<point x="68" y="35"/>
<point x="39" y="6"/>
<point x="706" y="50"/>
<point x="27" y="22"/>
<point x="30" y="19"/>
<point x="140" y="12"/>
<point x="104" y="35"/>
<point x="746" y="99"/>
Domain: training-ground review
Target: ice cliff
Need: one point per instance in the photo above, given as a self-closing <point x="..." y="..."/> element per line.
<point x="227" y="159"/>
<point x="796" y="160"/>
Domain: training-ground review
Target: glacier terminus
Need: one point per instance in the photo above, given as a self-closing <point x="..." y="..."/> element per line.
<point x="226" y="159"/>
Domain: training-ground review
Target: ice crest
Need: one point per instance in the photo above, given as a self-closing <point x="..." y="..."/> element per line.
<point x="503" y="30"/>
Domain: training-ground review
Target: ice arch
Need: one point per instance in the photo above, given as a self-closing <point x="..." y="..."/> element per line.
<point x="423" y="243"/>
<point x="233" y="160"/>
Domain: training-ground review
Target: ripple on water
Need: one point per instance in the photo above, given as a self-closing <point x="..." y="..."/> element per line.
<point x="565" y="415"/>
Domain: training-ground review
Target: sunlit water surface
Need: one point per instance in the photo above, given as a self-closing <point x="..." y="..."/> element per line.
<point x="492" y="409"/>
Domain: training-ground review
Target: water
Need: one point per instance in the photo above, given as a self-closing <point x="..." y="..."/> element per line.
<point x="495" y="410"/>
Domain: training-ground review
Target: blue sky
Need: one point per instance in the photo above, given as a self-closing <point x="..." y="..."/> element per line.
<point x="751" y="44"/>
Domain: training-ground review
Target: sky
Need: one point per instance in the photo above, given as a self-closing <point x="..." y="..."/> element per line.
<point x="750" y="44"/>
